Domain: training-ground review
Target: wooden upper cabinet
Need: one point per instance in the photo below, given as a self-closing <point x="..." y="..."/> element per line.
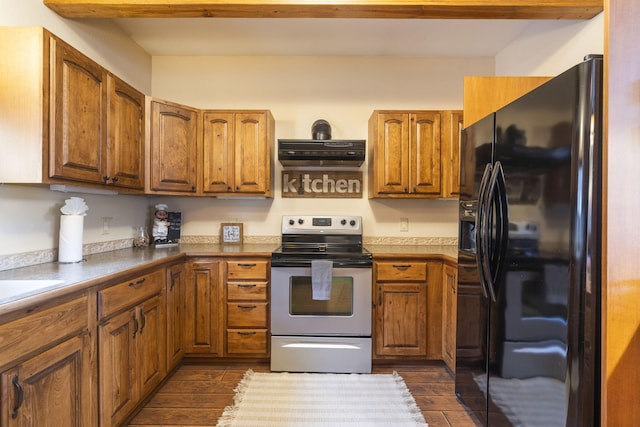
<point x="174" y="142"/>
<point x="218" y="156"/>
<point x="452" y="124"/>
<point x="237" y="152"/>
<point x="389" y="137"/>
<point x="78" y="132"/>
<point x="405" y="154"/>
<point x="485" y="94"/>
<point x="68" y="120"/>
<point x="125" y="137"/>
<point x="424" y="176"/>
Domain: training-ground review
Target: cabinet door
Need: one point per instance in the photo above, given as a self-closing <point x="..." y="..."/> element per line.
<point x="218" y="156"/>
<point x="175" y="315"/>
<point x="203" y="308"/>
<point x="119" y="392"/>
<point x="425" y="153"/>
<point x="150" y="344"/>
<point x="450" y="283"/>
<point x="174" y="133"/>
<point x="452" y="125"/>
<point x="78" y="132"/>
<point x="252" y="159"/>
<point x="470" y="323"/>
<point x="391" y="163"/>
<point x="401" y="319"/>
<point x="125" y="156"/>
<point x="52" y="389"/>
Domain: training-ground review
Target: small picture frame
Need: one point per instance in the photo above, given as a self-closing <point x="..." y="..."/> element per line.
<point x="231" y="233"/>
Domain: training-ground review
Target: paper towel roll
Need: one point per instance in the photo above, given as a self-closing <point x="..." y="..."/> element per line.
<point x="70" y="243"/>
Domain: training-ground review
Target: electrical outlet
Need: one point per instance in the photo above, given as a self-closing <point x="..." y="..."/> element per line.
<point x="404" y="224"/>
<point x="106" y="224"/>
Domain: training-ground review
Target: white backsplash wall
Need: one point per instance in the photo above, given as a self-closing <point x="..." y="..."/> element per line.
<point x="31" y="217"/>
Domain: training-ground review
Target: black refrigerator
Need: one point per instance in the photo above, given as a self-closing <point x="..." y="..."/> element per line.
<point x="528" y="302"/>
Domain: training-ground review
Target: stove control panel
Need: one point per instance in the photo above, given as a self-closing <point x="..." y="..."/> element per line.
<point x="322" y="224"/>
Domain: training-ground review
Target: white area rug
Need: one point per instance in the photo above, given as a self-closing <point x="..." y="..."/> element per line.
<point x="314" y="400"/>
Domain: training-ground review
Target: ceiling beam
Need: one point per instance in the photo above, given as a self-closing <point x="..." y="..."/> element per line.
<point x="398" y="9"/>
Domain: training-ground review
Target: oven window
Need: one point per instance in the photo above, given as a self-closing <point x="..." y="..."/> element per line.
<point x="301" y="302"/>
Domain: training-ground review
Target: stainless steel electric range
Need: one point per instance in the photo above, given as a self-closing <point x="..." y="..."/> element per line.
<point x="321" y="296"/>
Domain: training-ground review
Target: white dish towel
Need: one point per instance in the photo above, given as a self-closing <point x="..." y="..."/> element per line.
<point x="321" y="276"/>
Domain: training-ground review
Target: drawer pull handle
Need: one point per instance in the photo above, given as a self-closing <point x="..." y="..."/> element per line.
<point x="247" y="265"/>
<point x="137" y="282"/>
<point x="247" y="333"/>
<point x="402" y="266"/>
<point x="246" y="306"/>
<point x="247" y="285"/>
<point x="19" y="396"/>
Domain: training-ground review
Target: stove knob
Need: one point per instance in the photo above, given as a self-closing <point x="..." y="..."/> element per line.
<point x="291" y="222"/>
<point x="343" y="222"/>
<point x="353" y="222"/>
<point x="300" y="221"/>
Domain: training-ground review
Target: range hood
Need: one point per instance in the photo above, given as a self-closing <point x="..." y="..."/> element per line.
<point x="321" y="150"/>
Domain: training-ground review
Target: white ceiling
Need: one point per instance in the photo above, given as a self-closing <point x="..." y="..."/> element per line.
<point x="321" y="37"/>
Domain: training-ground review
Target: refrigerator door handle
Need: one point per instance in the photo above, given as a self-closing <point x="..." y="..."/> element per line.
<point x="498" y="187"/>
<point x="486" y="223"/>
<point x="480" y="235"/>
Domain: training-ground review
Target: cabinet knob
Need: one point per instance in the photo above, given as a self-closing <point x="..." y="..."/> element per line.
<point x="114" y="179"/>
<point x="106" y="178"/>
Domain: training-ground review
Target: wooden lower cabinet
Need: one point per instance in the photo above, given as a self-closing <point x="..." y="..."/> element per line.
<point x="407" y="318"/>
<point x="54" y="388"/>
<point x="401" y="319"/>
<point x="175" y="296"/>
<point x="449" y="284"/>
<point x="132" y="346"/>
<point x="247" y="307"/>
<point x="203" y="303"/>
<point x="48" y="365"/>
<point x="227" y="309"/>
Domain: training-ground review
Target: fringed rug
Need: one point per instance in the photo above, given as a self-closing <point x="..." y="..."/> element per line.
<point x="314" y="400"/>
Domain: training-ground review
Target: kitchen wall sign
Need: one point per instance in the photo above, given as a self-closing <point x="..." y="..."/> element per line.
<point x="322" y="184"/>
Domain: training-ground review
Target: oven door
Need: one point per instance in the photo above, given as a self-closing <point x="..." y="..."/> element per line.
<point x="346" y="313"/>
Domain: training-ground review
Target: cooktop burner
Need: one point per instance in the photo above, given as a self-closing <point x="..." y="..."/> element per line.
<point x="338" y="238"/>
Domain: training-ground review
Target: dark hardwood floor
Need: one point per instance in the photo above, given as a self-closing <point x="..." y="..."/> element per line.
<point x="196" y="395"/>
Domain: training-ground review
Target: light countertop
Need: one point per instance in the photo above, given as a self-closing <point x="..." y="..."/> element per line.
<point x="105" y="266"/>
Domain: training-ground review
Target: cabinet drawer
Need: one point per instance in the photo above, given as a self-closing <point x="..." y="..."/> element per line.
<point x="129" y="293"/>
<point x="37" y="330"/>
<point x="249" y="269"/>
<point x="468" y="275"/>
<point x="247" y="341"/>
<point x="247" y="315"/>
<point x="245" y="291"/>
<point x="401" y="270"/>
